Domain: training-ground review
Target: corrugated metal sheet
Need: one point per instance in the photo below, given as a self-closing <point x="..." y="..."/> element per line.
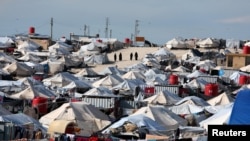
<point x="100" y="102"/>
<point x="171" y="88"/>
<point x="228" y="72"/>
<point x="210" y="79"/>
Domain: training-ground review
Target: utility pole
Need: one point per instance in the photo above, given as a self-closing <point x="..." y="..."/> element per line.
<point x="136" y="30"/>
<point x="110" y="34"/>
<point x="88" y="31"/>
<point x="51" y="28"/>
<point x="85" y="30"/>
<point x="106" y="28"/>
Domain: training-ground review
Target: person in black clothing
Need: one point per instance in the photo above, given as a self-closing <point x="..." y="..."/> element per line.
<point x="131" y="56"/>
<point x="115" y="57"/>
<point x="136" y="55"/>
<point x="120" y="56"/>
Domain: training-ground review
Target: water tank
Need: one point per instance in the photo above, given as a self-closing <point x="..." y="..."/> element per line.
<point x="149" y="91"/>
<point x="173" y="79"/>
<point x="243" y="79"/>
<point x="246" y="50"/>
<point x="41" y="104"/>
<point x="211" y="89"/>
<point x="126" y="40"/>
<point x="31" y="30"/>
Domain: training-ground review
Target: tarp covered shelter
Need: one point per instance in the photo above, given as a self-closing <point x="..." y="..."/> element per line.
<point x="19" y="69"/>
<point x="23" y="120"/>
<point x="96" y="59"/>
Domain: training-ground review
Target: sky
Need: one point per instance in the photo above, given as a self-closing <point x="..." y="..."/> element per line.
<point x="158" y="20"/>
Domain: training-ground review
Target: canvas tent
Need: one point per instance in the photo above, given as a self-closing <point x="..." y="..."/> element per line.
<point x="19" y="69"/>
<point x="89" y="118"/>
<point x="32" y="92"/>
<point x="109" y="81"/>
<point x="176" y="43"/>
<point x="99" y="92"/>
<point x="86" y="72"/>
<point x="163" y="116"/>
<point x="133" y="75"/>
<point x="141" y="121"/>
<point x="221" y="99"/>
<point x="60" y="79"/>
<point x="163" y="98"/>
<point x="208" y="43"/>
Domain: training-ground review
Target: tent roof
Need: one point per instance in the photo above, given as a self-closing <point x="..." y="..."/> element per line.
<point x="162" y="115"/>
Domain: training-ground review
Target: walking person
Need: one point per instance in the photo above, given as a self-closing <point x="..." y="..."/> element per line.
<point x="131" y="56"/>
<point x="136" y="55"/>
<point x="115" y="57"/>
<point x="120" y="56"/>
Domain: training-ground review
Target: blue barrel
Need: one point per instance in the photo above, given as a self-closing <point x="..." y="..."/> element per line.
<point x="221" y="72"/>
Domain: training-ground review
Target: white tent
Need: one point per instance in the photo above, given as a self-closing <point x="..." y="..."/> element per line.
<point x="19" y="68"/>
<point x="219" y="118"/>
<point x="96" y="59"/>
<point x="99" y="92"/>
<point x="126" y="87"/>
<point x="30" y="57"/>
<point x="141" y="121"/>
<point x="86" y="72"/>
<point x="6" y="41"/>
<point x="221" y="99"/>
<point x="245" y="68"/>
<point x="60" y="79"/>
<point x="176" y="43"/>
<point x="164" y="54"/>
<point x="163" y="116"/>
<point x="89" y="118"/>
<point x="208" y="42"/>
<point x="27" y="46"/>
<point x="32" y="92"/>
<point x="206" y="64"/>
<point x="109" y="81"/>
<point x="197" y="83"/>
<point x="133" y="75"/>
<point x="81" y="84"/>
<point x="163" y="98"/>
<point x="112" y="70"/>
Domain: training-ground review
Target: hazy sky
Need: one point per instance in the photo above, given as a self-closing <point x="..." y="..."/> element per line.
<point x="159" y="20"/>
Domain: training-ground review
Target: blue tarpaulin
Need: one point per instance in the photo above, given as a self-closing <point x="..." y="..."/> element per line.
<point x="240" y="113"/>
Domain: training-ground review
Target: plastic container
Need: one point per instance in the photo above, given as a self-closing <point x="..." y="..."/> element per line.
<point x="173" y="80"/>
<point x="41" y="104"/>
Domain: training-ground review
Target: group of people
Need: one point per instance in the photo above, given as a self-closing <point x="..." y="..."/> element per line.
<point x="131" y="56"/>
